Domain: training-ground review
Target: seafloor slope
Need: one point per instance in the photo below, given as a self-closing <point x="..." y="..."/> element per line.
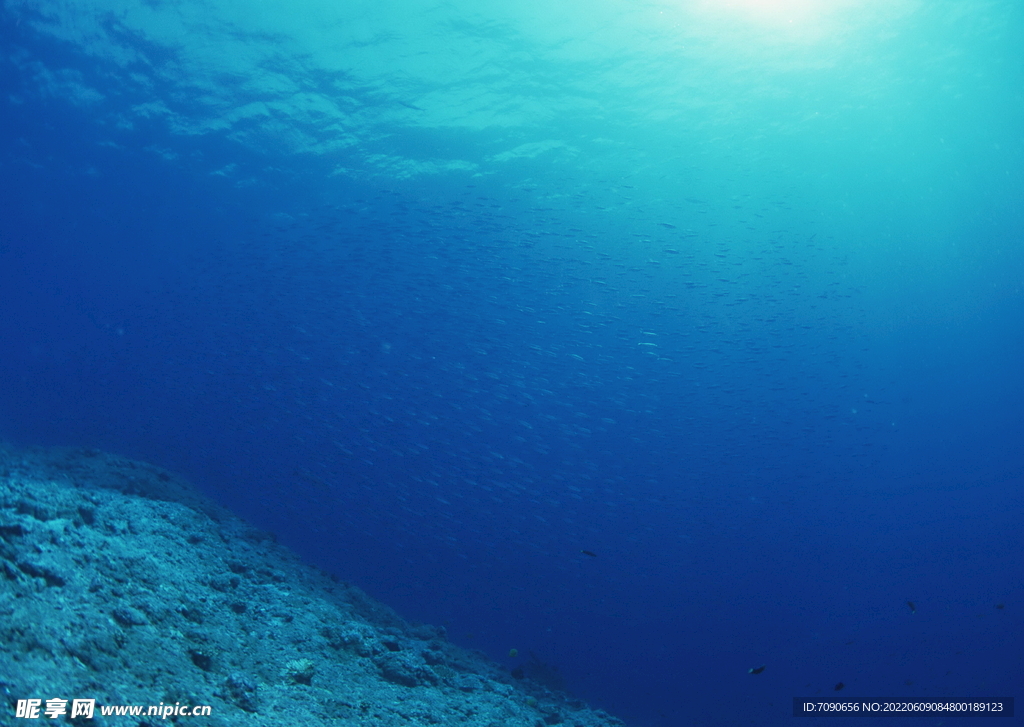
<point x="122" y="583"/>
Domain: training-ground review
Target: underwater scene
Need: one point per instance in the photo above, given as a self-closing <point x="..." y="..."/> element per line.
<point x="621" y="362"/>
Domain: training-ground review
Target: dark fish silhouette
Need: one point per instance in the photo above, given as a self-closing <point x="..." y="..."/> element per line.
<point x="756" y="670"/>
<point x="839" y="686"/>
<point x="913" y="608"/>
<point x="591" y="553"/>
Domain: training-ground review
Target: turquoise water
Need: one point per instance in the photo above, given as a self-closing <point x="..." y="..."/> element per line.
<point x="725" y="293"/>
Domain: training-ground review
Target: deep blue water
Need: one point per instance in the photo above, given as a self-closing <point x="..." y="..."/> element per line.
<point x="727" y="294"/>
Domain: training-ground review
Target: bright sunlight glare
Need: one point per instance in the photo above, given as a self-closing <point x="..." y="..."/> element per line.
<point x="773" y="11"/>
<point x="800" y="21"/>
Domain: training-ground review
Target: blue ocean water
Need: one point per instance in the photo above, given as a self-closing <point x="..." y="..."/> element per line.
<point x="661" y="341"/>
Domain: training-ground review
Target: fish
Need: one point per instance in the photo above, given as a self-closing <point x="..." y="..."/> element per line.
<point x="839" y="686"/>
<point x="913" y="608"/>
<point x="756" y="669"/>
<point x="591" y="553"/>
